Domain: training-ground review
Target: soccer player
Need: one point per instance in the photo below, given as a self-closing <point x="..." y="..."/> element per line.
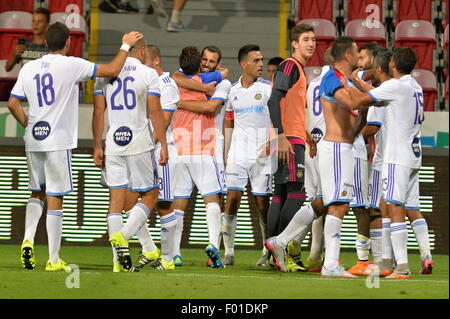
<point x="50" y="86"/>
<point x="287" y="106"/>
<point x="272" y="66"/>
<point x="128" y="160"/>
<point x="248" y="114"/>
<point x="402" y="150"/>
<point x="335" y="163"/>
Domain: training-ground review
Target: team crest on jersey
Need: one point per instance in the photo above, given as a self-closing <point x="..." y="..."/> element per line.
<point x="416" y="146"/>
<point x="41" y="130"/>
<point x="123" y="136"/>
<point x="344" y="193"/>
<point x="258" y="96"/>
<point x="316" y="134"/>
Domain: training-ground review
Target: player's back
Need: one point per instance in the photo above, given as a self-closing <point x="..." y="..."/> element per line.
<point x="315" y="123"/>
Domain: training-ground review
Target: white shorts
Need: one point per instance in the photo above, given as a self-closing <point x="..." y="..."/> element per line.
<point x="257" y="170"/>
<point x="401" y="185"/>
<point x="360" y="184"/>
<point x="375" y="189"/>
<point x="137" y="172"/>
<point x="312" y="178"/>
<point x="196" y="170"/>
<point x="166" y="173"/>
<point x="221" y="167"/>
<point x="52" y="170"/>
<point x="336" y="171"/>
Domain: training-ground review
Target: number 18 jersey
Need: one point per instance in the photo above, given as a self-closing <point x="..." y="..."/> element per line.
<point x="129" y="130"/>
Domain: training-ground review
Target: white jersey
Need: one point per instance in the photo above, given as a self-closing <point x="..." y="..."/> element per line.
<point x="404" y="115"/>
<point x="170" y="96"/>
<point x="251" y="118"/>
<point x="50" y="86"/>
<point x="376" y="116"/>
<point x="222" y="93"/>
<point x="129" y="131"/>
<point x="315" y="123"/>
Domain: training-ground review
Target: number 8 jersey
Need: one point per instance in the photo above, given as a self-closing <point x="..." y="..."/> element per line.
<point x="315" y="123"/>
<point x="50" y="84"/>
<point x="126" y="98"/>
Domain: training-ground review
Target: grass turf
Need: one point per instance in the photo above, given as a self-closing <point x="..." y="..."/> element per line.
<point x="195" y="281"/>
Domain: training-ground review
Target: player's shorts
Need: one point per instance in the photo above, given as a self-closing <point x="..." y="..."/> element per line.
<point x="336" y="171"/>
<point x="137" y="172"/>
<point x="52" y="170"/>
<point x="221" y="168"/>
<point x="375" y="189"/>
<point x="166" y="173"/>
<point x="295" y="171"/>
<point x="196" y="170"/>
<point x="401" y="185"/>
<point x="312" y="178"/>
<point x="360" y="184"/>
<point x="257" y="170"/>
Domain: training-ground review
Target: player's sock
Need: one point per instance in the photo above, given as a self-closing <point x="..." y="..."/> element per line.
<point x="273" y="215"/>
<point x="33" y="213"/>
<point x="178" y="232"/>
<point x="145" y="238"/>
<point x="386" y="245"/>
<point x="175" y="17"/>
<point x="362" y="247"/>
<point x="229" y="225"/>
<point x="293" y="203"/>
<point x="137" y="218"/>
<point x="168" y="226"/>
<point x="115" y="224"/>
<point x="332" y="234"/>
<point x="316" y="239"/>
<point x="213" y="219"/>
<point x="54" y="230"/>
<point x="299" y="224"/>
<point x="399" y="238"/>
<point x="420" y="228"/>
<point x="375" y="244"/>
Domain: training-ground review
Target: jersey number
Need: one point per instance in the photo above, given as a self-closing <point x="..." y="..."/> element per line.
<point x="317" y="105"/>
<point x="44" y="88"/>
<point x="418" y="119"/>
<point x="126" y="93"/>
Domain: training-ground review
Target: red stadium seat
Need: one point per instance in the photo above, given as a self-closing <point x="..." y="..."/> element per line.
<point x="413" y="10"/>
<point x="421" y="36"/>
<point x="77" y="26"/>
<point x="317" y="9"/>
<point x="445" y="45"/>
<point x="7" y="80"/>
<point x="17" y="5"/>
<point x="61" y="6"/>
<point x="362" y="33"/>
<point x="444" y="13"/>
<point x="312" y="72"/>
<point x="13" y="25"/>
<point x="427" y="80"/>
<point x="356" y="9"/>
<point x="325" y="36"/>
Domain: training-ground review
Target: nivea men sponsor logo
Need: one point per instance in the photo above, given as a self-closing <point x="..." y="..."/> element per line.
<point x="316" y="134"/>
<point x="41" y="130"/>
<point x="123" y="136"/>
<point x="416" y="146"/>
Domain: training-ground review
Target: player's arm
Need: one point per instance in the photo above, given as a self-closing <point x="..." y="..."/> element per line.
<point x="159" y="125"/>
<point x="113" y="68"/>
<point x="211" y="106"/>
<point x="15" y="57"/>
<point x="224" y="72"/>
<point x="98" y="118"/>
<point x="312" y="145"/>
<point x="369" y="130"/>
<point x="16" y="109"/>
<point x="183" y="81"/>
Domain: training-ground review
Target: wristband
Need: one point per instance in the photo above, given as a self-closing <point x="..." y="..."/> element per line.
<point x="125" y="47"/>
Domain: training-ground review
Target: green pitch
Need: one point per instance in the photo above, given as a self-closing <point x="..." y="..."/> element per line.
<point x="194" y="280"/>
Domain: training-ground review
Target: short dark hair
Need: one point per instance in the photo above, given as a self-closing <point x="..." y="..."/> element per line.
<point x="340" y="47"/>
<point x="371" y="47"/>
<point x="153" y="50"/>
<point x="405" y="59"/>
<point x="298" y="30"/>
<point x="214" y="49"/>
<point x="382" y="57"/>
<point x="243" y="52"/>
<point x="43" y="11"/>
<point x="275" y="61"/>
<point x="190" y="60"/>
<point x="57" y="35"/>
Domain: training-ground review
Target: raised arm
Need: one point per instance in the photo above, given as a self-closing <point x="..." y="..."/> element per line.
<point x="210" y="106"/>
<point x="189" y="84"/>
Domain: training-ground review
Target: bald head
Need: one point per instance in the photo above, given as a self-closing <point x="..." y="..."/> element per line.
<point x="327" y="57"/>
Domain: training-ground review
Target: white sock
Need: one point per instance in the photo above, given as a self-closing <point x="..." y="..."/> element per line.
<point x="33" y="214"/>
<point x="299" y="224"/>
<point x="213" y="219"/>
<point x="145" y="238"/>
<point x="386" y="245"/>
<point x="229" y="225"/>
<point x="420" y="228"/>
<point x="115" y="224"/>
<point x="316" y="239"/>
<point x="362" y="247"/>
<point x="54" y="230"/>
<point x="178" y="232"/>
<point x="399" y="238"/>
<point x="375" y="244"/>
<point x="332" y="234"/>
<point x="137" y="218"/>
<point x="168" y="226"/>
<point x="175" y="18"/>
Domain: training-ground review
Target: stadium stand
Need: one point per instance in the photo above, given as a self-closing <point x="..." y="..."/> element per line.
<point x="13" y="25"/>
<point x="78" y="30"/>
<point x="362" y="33"/>
<point x="427" y="80"/>
<point x="445" y="45"/>
<point x="312" y="72"/>
<point x="17" y="5"/>
<point x="61" y="5"/>
<point x="414" y="10"/>
<point x="421" y="36"/>
<point x="7" y="80"/>
<point x="325" y="36"/>
<point x="319" y="9"/>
